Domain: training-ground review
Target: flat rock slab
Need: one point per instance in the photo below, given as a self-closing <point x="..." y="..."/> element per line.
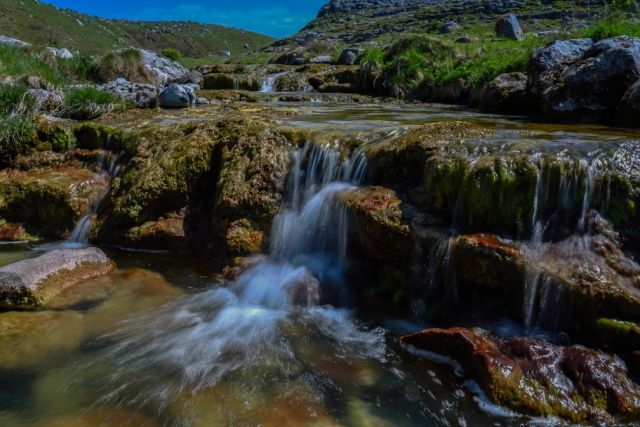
<point x="31" y="283"/>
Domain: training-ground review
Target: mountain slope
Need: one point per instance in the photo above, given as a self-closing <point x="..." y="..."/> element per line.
<point x="44" y="24"/>
<point x="346" y="22"/>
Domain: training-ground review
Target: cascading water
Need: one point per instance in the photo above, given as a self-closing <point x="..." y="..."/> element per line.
<point x="568" y="223"/>
<point x="198" y="340"/>
<point x="270" y="82"/>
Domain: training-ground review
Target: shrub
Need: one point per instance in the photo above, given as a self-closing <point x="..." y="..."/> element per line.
<point x="172" y="54"/>
<point x="123" y="63"/>
<point x="613" y="26"/>
<point x="86" y="103"/>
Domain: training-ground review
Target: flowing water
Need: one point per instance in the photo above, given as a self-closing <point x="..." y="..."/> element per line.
<point x="270" y="82"/>
<point x="160" y="342"/>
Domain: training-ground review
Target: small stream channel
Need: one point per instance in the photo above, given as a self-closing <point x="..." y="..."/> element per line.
<point x="161" y="342"/>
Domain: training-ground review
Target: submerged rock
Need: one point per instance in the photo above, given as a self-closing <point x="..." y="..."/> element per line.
<point x="536" y="378"/>
<point x="31" y="283"/>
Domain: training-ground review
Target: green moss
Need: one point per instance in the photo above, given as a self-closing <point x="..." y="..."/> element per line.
<point x="93" y="136"/>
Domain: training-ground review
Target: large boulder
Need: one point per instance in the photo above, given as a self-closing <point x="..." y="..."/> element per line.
<point x="349" y="56"/>
<point x="508" y="27"/>
<point x="589" y="88"/>
<point x="628" y="113"/>
<point x="536" y="378"/>
<point x="49" y="203"/>
<point x="506" y="94"/>
<point x="557" y="55"/>
<point x="177" y="96"/>
<point x="31" y="283"/>
<point x="141" y="95"/>
<point x="163" y="70"/>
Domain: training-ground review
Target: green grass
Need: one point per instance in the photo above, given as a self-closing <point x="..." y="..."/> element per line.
<point x="16" y="108"/>
<point x="124" y="63"/>
<point x="171" y="53"/>
<point x="86" y="103"/>
<point x="612" y="26"/>
<point x="44" y="24"/>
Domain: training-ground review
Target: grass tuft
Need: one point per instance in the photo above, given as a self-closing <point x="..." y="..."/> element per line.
<point x="123" y="63"/>
<point x="86" y="103"/>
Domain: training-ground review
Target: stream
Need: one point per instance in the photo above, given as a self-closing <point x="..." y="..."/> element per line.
<point x="162" y="342"/>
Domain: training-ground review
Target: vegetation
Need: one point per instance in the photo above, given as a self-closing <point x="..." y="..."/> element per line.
<point x="172" y="54"/>
<point x="416" y="64"/>
<point x="123" y="63"/>
<point x="85" y="103"/>
<point x="612" y="26"/>
<point x="16" y="108"/>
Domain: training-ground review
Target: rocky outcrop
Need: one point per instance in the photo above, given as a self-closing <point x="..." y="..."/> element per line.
<point x="218" y="180"/>
<point x="508" y="27"/>
<point x="584" y="81"/>
<point x="533" y="377"/>
<point x="31" y="283"/>
<point x="138" y="94"/>
<point x="49" y="203"/>
<point x="628" y="113"/>
<point x="163" y="70"/>
<point x="506" y="94"/>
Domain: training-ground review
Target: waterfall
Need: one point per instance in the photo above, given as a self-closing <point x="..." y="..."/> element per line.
<point x="269" y="83"/>
<point x="196" y="340"/>
<point x="236" y="85"/>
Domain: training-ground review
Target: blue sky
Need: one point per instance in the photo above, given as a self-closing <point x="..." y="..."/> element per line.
<point x="277" y="18"/>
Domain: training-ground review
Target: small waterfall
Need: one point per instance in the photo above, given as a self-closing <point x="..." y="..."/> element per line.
<point x="80" y="233"/>
<point x="270" y="82"/>
<point x="197" y="340"/>
<point x="236" y="85"/>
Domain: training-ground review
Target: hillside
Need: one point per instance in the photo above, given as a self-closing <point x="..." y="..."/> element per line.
<point x="347" y="22"/>
<point x="45" y="24"/>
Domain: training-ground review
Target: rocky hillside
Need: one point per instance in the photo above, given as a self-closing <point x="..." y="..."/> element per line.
<point x="40" y="23"/>
<point x="379" y="21"/>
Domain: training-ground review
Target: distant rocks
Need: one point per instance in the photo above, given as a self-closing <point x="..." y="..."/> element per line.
<point x="321" y="60"/>
<point x="13" y="42"/>
<point x="225" y="53"/>
<point x="448" y="27"/>
<point x="61" y="53"/>
<point x="508" y="27"/>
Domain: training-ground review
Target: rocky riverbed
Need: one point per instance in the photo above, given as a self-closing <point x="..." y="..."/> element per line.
<point x="290" y="250"/>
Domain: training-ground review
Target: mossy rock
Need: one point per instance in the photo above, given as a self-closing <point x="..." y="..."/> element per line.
<point x="94" y="136"/>
<point x="215" y="172"/>
<point x="49" y="203"/>
<point x="230" y="82"/>
<point x="57" y="136"/>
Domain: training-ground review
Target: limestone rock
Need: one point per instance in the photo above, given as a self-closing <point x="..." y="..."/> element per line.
<point x="175" y="96"/>
<point x="508" y="27"/>
<point x="141" y="95"/>
<point x="321" y="60"/>
<point x="163" y="70"/>
<point x="589" y="88"/>
<point x="13" y="42"/>
<point x="506" y="94"/>
<point x="31" y="283"/>
<point x="348" y="56"/>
